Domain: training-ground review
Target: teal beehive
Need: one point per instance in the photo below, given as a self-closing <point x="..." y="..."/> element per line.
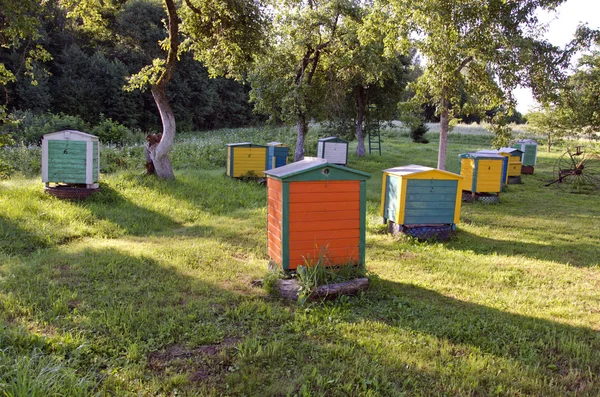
<point x="71" y="157"/>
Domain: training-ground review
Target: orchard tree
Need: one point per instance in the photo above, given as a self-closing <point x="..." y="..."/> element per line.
<point x="19" y="23"/>
<point x="223" y="34"/>
<point x="552" y="122"/>
<point x="486" y="47"/>
<point x="289" y="80"/>
<point x="363" y="80"/>
<point x="582" y="95"/>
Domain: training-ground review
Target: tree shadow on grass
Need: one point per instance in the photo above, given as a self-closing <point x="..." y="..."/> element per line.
<point x="555" y="353"/>
<point x="133" y="219"/>
<point x="571" y="253"/>
<point x="101" y="309"/>
<point x="15" y="240"/>
<point x="213" y="192"/>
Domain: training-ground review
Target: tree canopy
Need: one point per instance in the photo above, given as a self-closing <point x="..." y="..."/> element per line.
<point x="487" y="48"/>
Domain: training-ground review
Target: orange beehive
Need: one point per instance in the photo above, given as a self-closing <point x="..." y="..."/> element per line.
<point x="316" y="209"/>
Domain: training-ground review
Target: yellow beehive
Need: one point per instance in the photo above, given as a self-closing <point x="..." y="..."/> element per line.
<point x="482" y="172"/>
<point x="246" y="159"/>
<point x="514" y="160"/>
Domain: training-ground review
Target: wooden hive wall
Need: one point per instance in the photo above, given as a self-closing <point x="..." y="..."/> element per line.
<point x="324" y="216"/>
<point x="467" y="167"/>
<point x="248" y="159"/>
<point x="489" y="176"/>
<point x="430" y="201"/>
<point x="67" y="161"/>
<point x="274" y="220"/>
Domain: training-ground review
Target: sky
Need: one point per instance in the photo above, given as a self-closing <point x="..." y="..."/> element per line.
<point x="562" y="25"/>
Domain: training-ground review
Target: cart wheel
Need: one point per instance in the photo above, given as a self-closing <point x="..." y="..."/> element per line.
<point x="578" y="171"/>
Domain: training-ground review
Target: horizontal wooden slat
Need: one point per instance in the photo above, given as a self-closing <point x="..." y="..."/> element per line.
<point x="431" y="197"/>
<point x="326" y="235"/>
<point x="328" y="187"/>
<point x="431" y="182"/>
<point x="412" y="205"/>
<point x="315" y="247"/>
<point x="324" y="225"/>
<point x="304" y="216"/>
<point x="324" y="197"/>
<point x="332" y="206"/>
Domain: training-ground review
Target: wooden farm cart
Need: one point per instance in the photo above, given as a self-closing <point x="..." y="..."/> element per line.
<point x="316" y="213"/>
<point x="70" y="164"/>
<point x="482" y="176"/>
<point x="577" y="171"/>
<point x="420" y="201"/>
<point x="246" y="159"/>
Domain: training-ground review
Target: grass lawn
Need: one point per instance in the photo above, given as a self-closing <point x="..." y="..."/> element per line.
<point x="146" y="289"/>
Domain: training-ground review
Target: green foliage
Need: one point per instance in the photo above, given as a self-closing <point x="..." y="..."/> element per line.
<point x="553" y="123"/>
<point x="500" y="130"/>
<point x="460" y="42"/>
<point x="320" y="271"/>
<point x="111" y="132"/>
<point x="580" y="97"/>
<point x="27" y="128"/>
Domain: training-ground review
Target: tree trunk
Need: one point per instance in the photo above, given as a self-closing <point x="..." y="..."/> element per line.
<point x="302" y="130"/>
<point x="444" y="123"/>
<point x="160" y="153"/>
<point x="549" y="142"/>
<point x="360" y="118"/>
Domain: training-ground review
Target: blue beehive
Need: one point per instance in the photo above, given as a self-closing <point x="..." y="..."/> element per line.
<point x="277" y="155"/>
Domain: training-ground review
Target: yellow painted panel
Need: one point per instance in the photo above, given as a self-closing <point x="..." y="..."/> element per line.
<point x="383" y="192"/>
<point x="247" y="159"/>
<point x="400" y="218"/>
<point x="466" y="170"/>
<point x="434" y="174"/>
<point x="489" y="175"/>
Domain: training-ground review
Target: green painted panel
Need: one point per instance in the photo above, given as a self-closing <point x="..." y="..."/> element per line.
<point x="67" y="161"/>
<point x="392" y="197"/>
<point x="285" y="225"/>
<point x="430" y="182"/>
<point x="332" y="174"/>
<point x="363" y="223"/>
<point x="529" y="156"/>
<point x="430" y="203"/>
<point x="432" y="189"/>
<point x="95" y="170"/>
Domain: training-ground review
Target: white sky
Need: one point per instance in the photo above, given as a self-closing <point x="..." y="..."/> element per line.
<point x="560" y="31"/>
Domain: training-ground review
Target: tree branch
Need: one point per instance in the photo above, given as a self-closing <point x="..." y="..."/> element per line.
<point x="173" y="44"/>
<point x="193" y="7"/>
<point x="464" y="63"/>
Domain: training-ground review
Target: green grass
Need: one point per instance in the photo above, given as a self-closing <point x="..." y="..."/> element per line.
<point x="145" y="289"/>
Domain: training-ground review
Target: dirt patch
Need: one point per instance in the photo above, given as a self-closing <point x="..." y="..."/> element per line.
<point x="201" y="363"/>
<point x="408" y="255"/>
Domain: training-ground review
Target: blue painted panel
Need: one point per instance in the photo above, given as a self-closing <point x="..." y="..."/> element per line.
<point x="430" y="202"/>
<point x="392" y="197"/>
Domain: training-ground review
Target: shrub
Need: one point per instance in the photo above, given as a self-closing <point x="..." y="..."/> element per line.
<point x="27" y="128"/>
<point x="111" y="132"/>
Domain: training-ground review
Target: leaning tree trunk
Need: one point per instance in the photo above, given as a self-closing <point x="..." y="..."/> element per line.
<point x="360" y="118"/>
<point x="444" y="124"/>
<point x="160" y="152"/>
<point x="302" y="130"/>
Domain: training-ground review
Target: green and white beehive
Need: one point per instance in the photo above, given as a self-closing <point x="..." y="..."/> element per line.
<point x="71" y="157"/>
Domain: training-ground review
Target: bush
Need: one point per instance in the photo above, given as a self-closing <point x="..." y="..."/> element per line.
<point x="28" y="128"/>
<point x="417" y="132"/>
<point x="111" y="132"/>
